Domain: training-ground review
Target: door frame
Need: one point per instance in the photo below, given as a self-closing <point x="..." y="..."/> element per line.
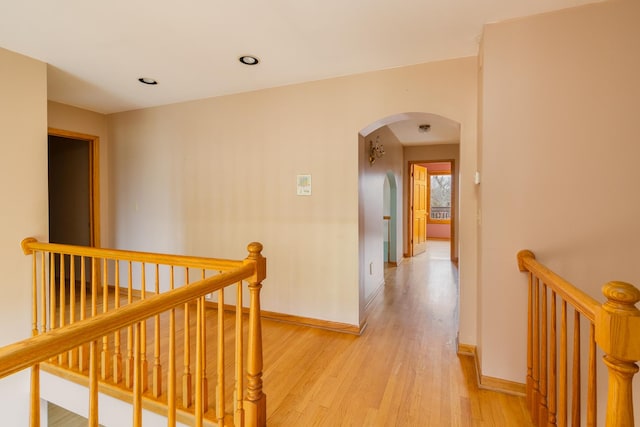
<point x="454" y="204"/>
<point x="94" y="178"/>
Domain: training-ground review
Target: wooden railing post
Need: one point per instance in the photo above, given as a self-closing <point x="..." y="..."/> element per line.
<point x="256" y="400"/>
<point x="617" y="332"/>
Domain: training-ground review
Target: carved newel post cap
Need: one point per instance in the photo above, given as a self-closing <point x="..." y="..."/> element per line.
<point x="618" y="322"/>
<point x="254" y="249"/>
<point x="621" y="295"/>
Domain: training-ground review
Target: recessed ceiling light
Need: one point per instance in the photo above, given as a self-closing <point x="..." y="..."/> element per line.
<point x="147" y="81"/>
<point x="249" y="60"/>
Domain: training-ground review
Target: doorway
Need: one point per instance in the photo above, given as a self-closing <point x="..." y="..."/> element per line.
<point x="429" y="218"/>
<point x="73" y="188"/>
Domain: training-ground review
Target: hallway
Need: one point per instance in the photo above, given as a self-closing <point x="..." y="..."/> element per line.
<point x="403" y="370"/>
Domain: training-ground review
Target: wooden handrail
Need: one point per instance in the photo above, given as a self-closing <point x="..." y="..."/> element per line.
<point x="28" y="352"/>
<point x="29" y="245"/>
<point x="574" y="296"/>
<point x="614" y="326"/>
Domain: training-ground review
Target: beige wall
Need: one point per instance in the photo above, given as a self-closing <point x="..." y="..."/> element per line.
<point x="23" y="191"/>
<point x="560" y="162"/>
<point x="207" y="177"/>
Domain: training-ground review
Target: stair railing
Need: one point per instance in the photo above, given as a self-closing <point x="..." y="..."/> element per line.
<point x="614" y="326"/>
<point x="75" y="333"/>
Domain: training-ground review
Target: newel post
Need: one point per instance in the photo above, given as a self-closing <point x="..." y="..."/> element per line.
<point x="618" y="334"/>
<point x="256" y="400"/>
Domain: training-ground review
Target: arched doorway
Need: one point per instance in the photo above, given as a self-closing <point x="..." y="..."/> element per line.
<point x="385" y="150"/>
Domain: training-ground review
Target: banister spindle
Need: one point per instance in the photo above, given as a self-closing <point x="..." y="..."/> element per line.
<point x="73" y="354"/>
<point x="187" y="396"/>
<point x="82" y="356"/>
<point x="34" y="292"/>
<point x="105" y="356"/>
<point x="205" y="382"/>
<point x="617" y="331"/>
<point x="530" y="348"/>
<point x="117" y="340"/>
<point x="171" y="375"/>
<point x="575" y="378"/>
<point x="128" y="369"/>
<point x="592" y="408"/>
<point x="43" y="292"/>
<point x="62" y="288"/>
<point x="137" y="376"/>
<point x="52" y="292"/>
<point x="536" y="351"/>
<point x="93" y="384"/>
<point x="239" y="357"/>
<point x="144" y="364"/>
<point x="564" y="370"/>
<point x="220" y="406"/>
<point x="543" y="410"/>
<point x="157" y="367"/>
<point x="199" y="407"/>
<point x="553" y="364"/>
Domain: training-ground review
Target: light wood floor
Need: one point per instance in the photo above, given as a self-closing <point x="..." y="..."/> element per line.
<point x="403" y="370"/>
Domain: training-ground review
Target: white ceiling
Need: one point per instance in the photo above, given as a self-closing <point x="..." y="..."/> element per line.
<point x="96" y="51"/>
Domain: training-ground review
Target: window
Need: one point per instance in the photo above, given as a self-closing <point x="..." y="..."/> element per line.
<point x="439" y="197"/>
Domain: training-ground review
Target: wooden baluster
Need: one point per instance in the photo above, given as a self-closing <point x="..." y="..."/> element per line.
<point x="198" y="413"/>
<point x="592" y="382"/>
<point x="553" y="364"/>
<point x="536" y="351"/>
<point x="239" y="374"/>
<point x="93" y="352"/>
<point x="105" y="357"/>
<point x="128" y="371"/>
<point x="220" y="407"/>
<point x="34" y="292"/>
<point x="530" y="348"/>
<point x="575" y="401"/>
<point x="43" y="292"/>
<point x="34" y="418"/>
<point x="256" y="401"/>
<point x="73" y="354"/>
<point x="205" y="382"/>
<point x="564" y="371"/>
<point x="187" y="396"/>
<point x="82" y="357"/>
<point x="137" y="376"/>
<point x="157" y="367"/>
<point x="544" y="412"/>
<point x="617" y="332"/>
<point x="171" y="375"/>
<point x="144" y="364"/>
<point x="52" y="295"/>
<point x="94" y="287"/>
<point x="117" y="344"/>
<point x="62" y="288"/>
<point x="93" y="384"/>
<point x="52" y="292"/>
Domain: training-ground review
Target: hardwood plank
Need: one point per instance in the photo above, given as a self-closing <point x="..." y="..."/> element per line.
<point x="402" y="371"/>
